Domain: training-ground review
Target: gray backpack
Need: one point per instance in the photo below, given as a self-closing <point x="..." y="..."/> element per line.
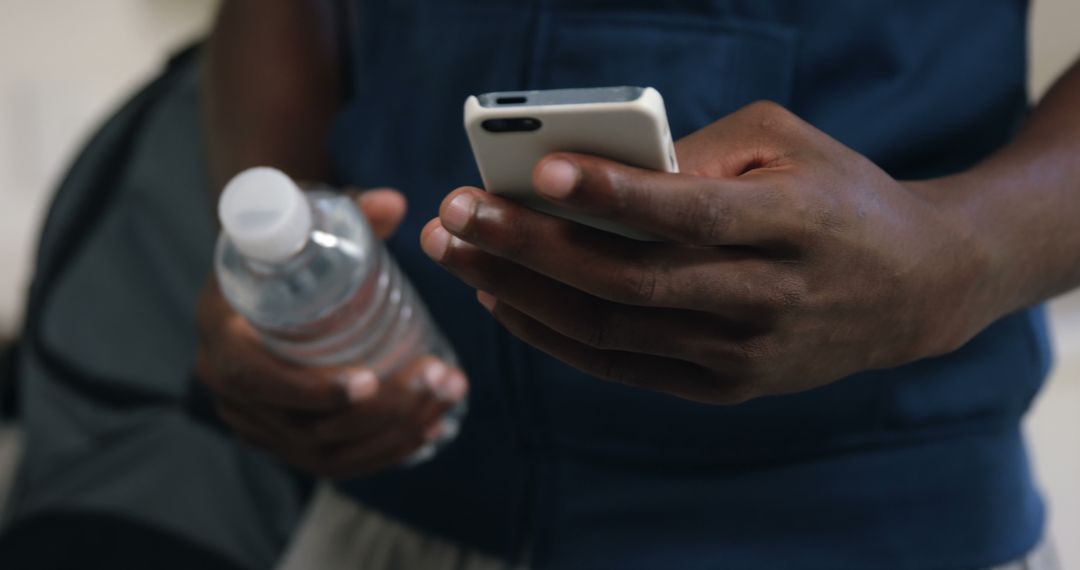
<point x="122" y="465"/>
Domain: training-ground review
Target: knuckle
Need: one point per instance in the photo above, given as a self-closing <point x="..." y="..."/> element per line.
<point x="707" y="217"/>
<point x="644" y="287"/>
<point x="827" y="219"/>
<point x="782" y="191"/>
<point x="752" y="359"/>
<point x="765" y="107"/>
<point x="791" y="293"/>
<point x="769" y="115"/>
<point x="810" y="212"/>
<point x="599" y="327"/>
<point x="639" y="282"/>
<point x="607" y="182"/>
<point x="782" y="296"/>
<point x="796" y="210"/>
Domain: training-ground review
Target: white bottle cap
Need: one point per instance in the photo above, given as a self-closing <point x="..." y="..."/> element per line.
<point x="265" y="215"/>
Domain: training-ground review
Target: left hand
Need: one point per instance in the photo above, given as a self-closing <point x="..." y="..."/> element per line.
<point x="335" y="421"/>
<point x="790" y="261"/>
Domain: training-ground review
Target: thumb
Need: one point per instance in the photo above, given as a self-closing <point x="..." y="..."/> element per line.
<point x="383" y="207"/>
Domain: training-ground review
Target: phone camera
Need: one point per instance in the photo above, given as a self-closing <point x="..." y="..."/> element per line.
<point x="512" y="125"/>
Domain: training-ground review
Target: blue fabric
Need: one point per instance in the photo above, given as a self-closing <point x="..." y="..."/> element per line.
<point x="920" y="466"/>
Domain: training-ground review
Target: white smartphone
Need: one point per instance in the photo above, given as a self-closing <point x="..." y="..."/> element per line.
<point x="511" y="131"/>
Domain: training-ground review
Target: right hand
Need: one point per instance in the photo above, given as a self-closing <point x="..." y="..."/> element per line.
<point x="335" y="422"/>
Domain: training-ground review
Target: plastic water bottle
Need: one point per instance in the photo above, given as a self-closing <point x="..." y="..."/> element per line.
<point x="308" y="273"/>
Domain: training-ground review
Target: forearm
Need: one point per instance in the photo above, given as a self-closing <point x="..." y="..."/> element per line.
<point x="1024" y="203"/>
<point x="270" y="87"/>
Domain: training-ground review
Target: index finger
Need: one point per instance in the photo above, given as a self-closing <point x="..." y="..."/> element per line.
<point x="679" y="207"/>
<point x="384" y="209"/>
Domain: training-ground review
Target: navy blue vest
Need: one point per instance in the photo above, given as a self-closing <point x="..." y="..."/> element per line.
<point x="921" y="466"/>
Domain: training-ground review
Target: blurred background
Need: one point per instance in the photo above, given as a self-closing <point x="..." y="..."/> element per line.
<point x="65" y="65"/>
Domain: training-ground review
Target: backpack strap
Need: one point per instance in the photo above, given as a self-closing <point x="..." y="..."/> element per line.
<point x="84" y="195"/>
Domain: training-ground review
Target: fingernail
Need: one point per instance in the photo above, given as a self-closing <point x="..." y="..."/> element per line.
<point x="454" y="388"/>
<point x="443" y="430"/>
<point x="457" y="213"/>
<point x="421" y="455"/>
<point x="436" y="242"/>
<point x="450" y="427"/>
<point x="487" y="300"/>
<point x="557" y="179"/>
<point x="360" y="384"/>
<point x="434" y="377"/>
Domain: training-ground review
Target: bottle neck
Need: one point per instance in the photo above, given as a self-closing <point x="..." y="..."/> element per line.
<point x="294" y="263"/>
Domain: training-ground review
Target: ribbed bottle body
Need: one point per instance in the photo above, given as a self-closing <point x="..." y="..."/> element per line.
<point x="340" y="300"/>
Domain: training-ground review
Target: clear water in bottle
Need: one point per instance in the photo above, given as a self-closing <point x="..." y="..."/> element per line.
<point x="306" y="270"/>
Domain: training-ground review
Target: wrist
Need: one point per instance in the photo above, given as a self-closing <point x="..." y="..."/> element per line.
<point x="973" y="286"/>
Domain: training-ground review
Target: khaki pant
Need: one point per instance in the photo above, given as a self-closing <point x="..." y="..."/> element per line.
<point x="337" y="533"/>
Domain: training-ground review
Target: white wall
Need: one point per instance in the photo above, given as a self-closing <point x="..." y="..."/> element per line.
<point x="64" y="64"/>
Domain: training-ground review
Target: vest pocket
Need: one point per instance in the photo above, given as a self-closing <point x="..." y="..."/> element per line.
<point x="704" y="65"/>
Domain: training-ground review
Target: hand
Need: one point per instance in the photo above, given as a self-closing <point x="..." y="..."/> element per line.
<point x="339" y="422"/>
<point x="789" y="261"/>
